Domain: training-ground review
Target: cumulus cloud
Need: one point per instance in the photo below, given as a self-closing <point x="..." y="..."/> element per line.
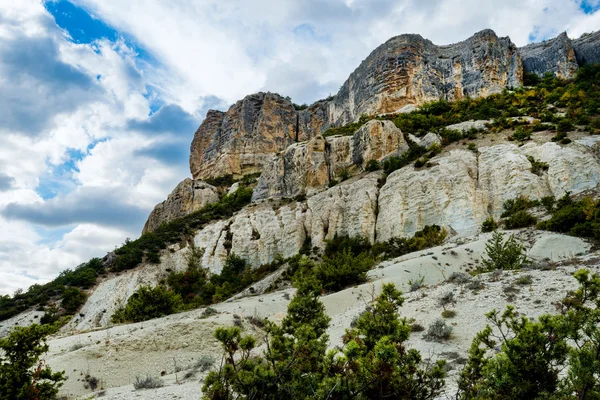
<point x="6" y="182"/>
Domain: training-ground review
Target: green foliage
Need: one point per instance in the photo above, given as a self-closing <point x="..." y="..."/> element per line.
<point x="553" y="357"/>
<point x="521" y="134"/>
<point x="343" y="269"/>
<point x="564" y="126"/>
<point x="349" y="129"/>
<point x="520" y="219"/>
<point x="337" y="245"/>
<point x="372" y="165"/>
<point x="394" y="163"/>
<point x="513" y="206"/>
<point x="23" y="376"/>
<point x="577" y="218"/>
<point x="344" y="174"/>
<point x="148" y="303"/>
<point x="502" y="254"/>
<point x="429" y="236"/>
<point x="537" y="167"/>
<point x="73" y="298"/>
<point x="150" y="244"/>
<point x="373" y="364"/>
<point x="489" y="225"/>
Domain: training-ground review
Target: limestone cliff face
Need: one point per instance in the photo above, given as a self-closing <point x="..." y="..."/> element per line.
<point x="555" y="55"/>
<point x="237" y="142"/>
<point x="409" y="69"/>
<point x="459" y="191"/>
<point x="187" y="197"/>
<point x="309" y="167"/>
<point x="587" y="48"/>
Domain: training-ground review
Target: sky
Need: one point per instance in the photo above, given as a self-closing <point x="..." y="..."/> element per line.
<point x="99" y="99"/>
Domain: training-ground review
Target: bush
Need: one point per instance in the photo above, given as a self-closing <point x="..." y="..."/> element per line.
<point x="22" y="375"/>
<point x="204" y="363"/>
<point x="73" y="298"/>
<point x="553" y="357"/>
<point x="296" y="363"/>
<point x="148" y="382"/>
<point x="373" y="165"/>
<point x="148" y="303"/>
<point x="343" y="270"/>
<point x="581" y="218"/>
<point x="519" y="204"/>
<point x="489" y="225"/>
<point x="439" y="331"/>
<point x="521" y="134"/>
<point x="537" y="167"/>
<point x="502" y="255"/>
<point x="429" y="236"/>
<point x="520" y="219"/>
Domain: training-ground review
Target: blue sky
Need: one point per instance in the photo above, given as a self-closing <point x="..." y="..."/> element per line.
<point x="101" y="98"/>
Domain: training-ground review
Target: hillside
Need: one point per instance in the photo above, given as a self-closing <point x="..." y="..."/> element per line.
<point x="433" y="144"/>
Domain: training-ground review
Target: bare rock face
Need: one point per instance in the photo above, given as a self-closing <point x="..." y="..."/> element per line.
<point x="556" y="55"/>
<point x="409" y="69"/>
<point x="462" y="189"/>
<point x="587" y="48"/>
<point x="347" y="209"/>
<point x="307" y="168"/>
<point x="187" y="197"/>
<point x="237" y="142"/>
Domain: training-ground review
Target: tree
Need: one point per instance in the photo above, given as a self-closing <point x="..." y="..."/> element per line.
<point x="553" y="357"/>
<point x="503" y="255"/>
<point x="22" y="375"/>
<point x="374" y="363"/>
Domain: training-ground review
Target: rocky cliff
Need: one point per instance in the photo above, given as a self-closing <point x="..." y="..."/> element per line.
<point x="555" y="55"/>
<point x="459" y="191"/>
<point x="237" y="142"/>
<point x="409" y="69"/>
<point x="187" y="197"/>
<point x="266" y="133"/>
<point x="309" y="167"/>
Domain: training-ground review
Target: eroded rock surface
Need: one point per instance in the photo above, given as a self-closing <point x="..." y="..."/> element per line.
<point x="555" y="55"/>
<point x="237" y="142"/>
<point x="187" y="197"/>
<point x="307" y="168"/>
<point x="409" y="69"/>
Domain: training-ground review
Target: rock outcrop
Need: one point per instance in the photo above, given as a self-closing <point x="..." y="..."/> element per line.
<point x="187" y="197"/>
<point x="555" y="55"/>
<point x="237" y="142"/>
<point x="587" y="48"/>
<point x="307" y="168"/>
<point x="409" y="69"/>
<point x="462" y="189"/>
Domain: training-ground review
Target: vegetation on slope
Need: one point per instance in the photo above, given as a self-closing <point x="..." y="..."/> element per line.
<point x="580" y="99"/>
<point x="64" y="295"/>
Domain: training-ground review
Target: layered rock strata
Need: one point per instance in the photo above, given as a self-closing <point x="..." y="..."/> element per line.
<point x="187" y="197"/>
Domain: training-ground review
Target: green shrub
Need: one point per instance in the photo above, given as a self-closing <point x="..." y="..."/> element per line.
<point x="553" y="357"/>
<point x="73" y="298"/>
<point x="537" y="167"/>
<point x="489" y="225"/>
<point x="429" y="236"/>
<point x="577" y="218"/>
<point x="374" y="362"/>
<point x="439" y="331"/>
<point x="521" y="134"/>
<point x="148" y="303"/>
<point x="22" y="375"/>
<point x="373" y="165"/>
<point x="564" y="126"/>
<point x="520" y="219"/>
<point x="339" y="244"/>
<point x="502" y="254"/>
<point x="344" y="174"/>
<point x="513" y="206"/>
<point x="343" y="269"/>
